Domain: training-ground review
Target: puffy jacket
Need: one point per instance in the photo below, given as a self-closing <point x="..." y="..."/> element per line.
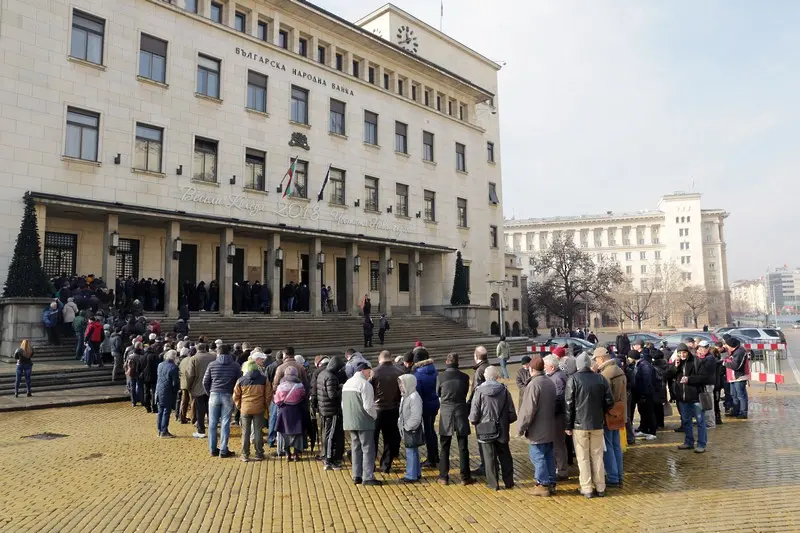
<point x="116" y="343"/>
<point x="94" y="332"/>
<point x="619" y="388"/>
<point x="70" y="311"/>
<point x="387" y="390"/>
<point x="410" y="406"/>
<point x="50" y="317"/>
<point x="492" y="402"/>
<point x="559" y="379"/>
<point x="149" y="370"/>
<point x="167" y="384"/>
<point x="350" y="367"/>
<point x="426" y="375"/>
<point x="587" y="397"/>
<point x="660" y="367"/>
<point x="329" y="388"/>
<point x="644" y="381"/>
<point x="698" y="376"/>
<point x="453" y="390"/>
<point x="623" y="345"/>
<point x="221" y="375"/>
<point x="181" y="328"/>
<point x="252" y="393"/>
<point x="358" y="404"/>
<point x="281" y="370"/>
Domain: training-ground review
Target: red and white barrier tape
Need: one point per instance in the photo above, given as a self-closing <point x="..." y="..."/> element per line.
<point x="757" y="346"/>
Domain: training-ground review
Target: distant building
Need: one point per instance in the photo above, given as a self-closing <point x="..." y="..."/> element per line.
<point x="749" y="297"/>
<point x="783" y="290"/>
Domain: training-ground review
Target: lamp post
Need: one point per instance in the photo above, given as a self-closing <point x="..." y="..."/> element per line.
<point x="502" y="283"/>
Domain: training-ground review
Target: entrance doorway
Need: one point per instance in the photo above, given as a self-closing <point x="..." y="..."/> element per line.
<point x="304" y="268"/>
<point x="238" y="265"/>
<point x="187" y="265"/>
<point x="341" y="285"/>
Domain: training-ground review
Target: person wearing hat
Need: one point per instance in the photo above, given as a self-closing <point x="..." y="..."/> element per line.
<point x="523" y="375"/>
<point x="644" y="388"/>
<point x="105" y="345"/>
<point x="708" y="367"/>
<point x="537" y="424"/>
<point x="689" y="382"/>
<point x="353" y="358"/>
<point x="359" y="414"/>
<point x="615" y="417"/>
<point x="737" y="361"/>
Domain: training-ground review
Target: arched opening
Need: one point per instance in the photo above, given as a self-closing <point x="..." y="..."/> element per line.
<point x="596" y="322"/>
<point x="508" y="328"/>
<point x="495" y="329"/>
<point x="515" y="329"/>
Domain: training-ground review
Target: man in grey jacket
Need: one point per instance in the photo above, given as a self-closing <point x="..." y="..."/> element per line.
<point x="559" y="379"/>
<point x="536" y="423"/>
<point x="198" y="363"/>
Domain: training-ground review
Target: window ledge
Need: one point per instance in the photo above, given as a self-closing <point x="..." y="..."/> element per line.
<point x="256" y="112"/>
<point x="373" y="211"/>
<point x="148" y="172"/>
<point x="493" y="163"/>
<point x="429" y="163"/>
<point x="301" y="124"/>
<point x="464" y="172"/>
<point x="69" y="159"/>
<point x="375" y="146"/>
<point x="404" y="217"/>
<point x="202" y="96"/>
<point x="339" y="135"/>
<point x="86" y="63"/>
<point x="432" y="222"/>
<point x="338" y="206"/>
<point x="152" y="82"/>
<point x="297" y="199"/>
<point x="404" y="154"/>
<point x="465" y="228"/>
<point x="493" y="204"/>
<point x="255" y="191"/>
<point x="209" y="183"/>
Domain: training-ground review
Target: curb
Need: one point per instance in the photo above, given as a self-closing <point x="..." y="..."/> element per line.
<point x="68" y="403"/>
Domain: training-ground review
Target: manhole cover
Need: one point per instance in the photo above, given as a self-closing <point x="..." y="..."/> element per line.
<point x="46" y="436"/>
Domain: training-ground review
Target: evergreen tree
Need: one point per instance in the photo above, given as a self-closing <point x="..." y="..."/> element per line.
<point x="25" y="275"/>
<point x="460" y="294"/>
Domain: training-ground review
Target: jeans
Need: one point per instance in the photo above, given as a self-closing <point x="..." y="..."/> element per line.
<point x="689" y="411"/>
<point x="739" y="397"/>
<point x="463" y="456"/>
<point x="503" y="369"/>
<point x="386" y="425"/>
<point x="431" y="446"/>
<point x="23" y="370"/>
<point x="200" y="412"/>
<point x="220" y="406"/>
<point x="273" y="421"/>
<point x="612" y="456"/>
<point x="133" y="389"/>
<point x="711" y="421"/>
<point x="162" y="422"/>
<point x="79" y="348"/>
<point x="413" y="468"/>
<point x="544" y="463"/>
<point x="362" y="444"/>
<point x="256" y="422"/>
<point x="290" y="304"/>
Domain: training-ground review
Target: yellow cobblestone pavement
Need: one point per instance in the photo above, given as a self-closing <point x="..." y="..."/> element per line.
<point x="112" y="474"/>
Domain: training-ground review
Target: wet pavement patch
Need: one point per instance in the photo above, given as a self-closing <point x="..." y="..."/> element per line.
<point x="45" y="436"/>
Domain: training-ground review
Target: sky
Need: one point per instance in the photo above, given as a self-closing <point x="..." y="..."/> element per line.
<point x="606" y="105"/>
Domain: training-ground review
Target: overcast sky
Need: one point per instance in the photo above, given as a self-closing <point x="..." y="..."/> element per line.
<point x="608" y="104"/>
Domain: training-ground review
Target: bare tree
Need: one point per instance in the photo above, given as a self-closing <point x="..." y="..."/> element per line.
<point x="634" y="304"/>
<point x="695" y="298"/>
<point x="667" y="284"/>
<point x="567" y="278"/>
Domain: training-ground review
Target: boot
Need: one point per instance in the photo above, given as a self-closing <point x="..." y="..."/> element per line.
<point x="719" y="419"/>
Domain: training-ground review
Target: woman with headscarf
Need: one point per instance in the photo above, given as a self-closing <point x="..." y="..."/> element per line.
<point x="290" y="397"/>
<point x="24" y="357"/>
<point x="409" y="424"/>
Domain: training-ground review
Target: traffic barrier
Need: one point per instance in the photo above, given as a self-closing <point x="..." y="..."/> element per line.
<point x="763" y="364"/>
<point x="540" y="348"/>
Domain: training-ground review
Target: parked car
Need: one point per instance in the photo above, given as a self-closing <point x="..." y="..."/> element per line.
<point x="761" y="335"/>
<point x="677" y="338"/>
<point x="796" y="325"/>
<point x="645" y="337"/>
<point x="577" y="345"/>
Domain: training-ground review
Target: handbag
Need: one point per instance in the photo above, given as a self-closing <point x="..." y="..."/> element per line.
<point x="413" y="438"/>
<point x="491" y="431"/>
<point x="706" y="401"/>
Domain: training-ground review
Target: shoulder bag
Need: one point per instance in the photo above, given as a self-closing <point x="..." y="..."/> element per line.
<point x="413" y="438"/>
<point x="491" y="431"/>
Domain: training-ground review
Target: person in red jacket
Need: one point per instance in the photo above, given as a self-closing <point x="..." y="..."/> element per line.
<point x="93" y="336"/>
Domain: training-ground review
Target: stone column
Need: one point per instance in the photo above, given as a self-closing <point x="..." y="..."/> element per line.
<point x="384" y="281"/>
<point x="313" y="44"/>
<point x="273" y="273"/>
<point x="276" y="28"/>
<point x="351" y="289"/>
<point x="413" y="283"/>
<point x="225" y="273"/>
<point x="109" y="261"/>
<point x="314" y="278"/>
<point x="171" y="280"/>
<point x="229" y="12"/>
<point x="41" y="226"/>
<point x="347" y="68"/>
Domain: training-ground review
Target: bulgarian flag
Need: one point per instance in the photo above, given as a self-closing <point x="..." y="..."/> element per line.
<point x="289" y="184"/>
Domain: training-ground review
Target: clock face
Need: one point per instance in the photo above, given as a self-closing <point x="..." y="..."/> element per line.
<point x="378" y="32"/>
<point x="406" y="39"/>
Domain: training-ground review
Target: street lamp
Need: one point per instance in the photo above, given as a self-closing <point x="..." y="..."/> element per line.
<point x="320" y="260"/>
<point x="500" y="311"/>
<point x="420" y="266"/>
<point x="231" y="252"/>
<point x="278" y="256"/>
<point x="114" y="243"/>
<point x="177" y="246"/>
<point x="389" y="265"/>
<point x="356" y="263"/>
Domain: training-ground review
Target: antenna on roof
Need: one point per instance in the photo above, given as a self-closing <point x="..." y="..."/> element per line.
<point x="441" y="14"/>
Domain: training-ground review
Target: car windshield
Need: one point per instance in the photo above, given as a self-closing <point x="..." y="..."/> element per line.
<point x="772" y="333"/>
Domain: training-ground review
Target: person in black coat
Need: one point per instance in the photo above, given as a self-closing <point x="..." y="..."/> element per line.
<point x="369" y="325"/>
<point x="237" y="298"/>
<point x="329" y="403"/>
<point x="623" y="344"/>
<point x="644" y="392"/>
<point x="202" y="296"/>
<point x="255" y="296"/>
<point x="690" y="381"/>
<point x="660" y="367"/>
<point x="266" y="298"/>
<point x="454" y="419"/>
<point x="149" y="376"/>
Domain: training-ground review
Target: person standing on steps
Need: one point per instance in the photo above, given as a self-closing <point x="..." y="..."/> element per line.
<point x="503" y="352"/>
<point x="369" y="325"/>
<point x="366" y="305"/>
<point x="383" y="326"/>
<point x="358" y="408"/>
<point x="24" y="357"/>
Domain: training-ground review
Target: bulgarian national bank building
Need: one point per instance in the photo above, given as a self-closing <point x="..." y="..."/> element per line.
<point x="196" y="140"/>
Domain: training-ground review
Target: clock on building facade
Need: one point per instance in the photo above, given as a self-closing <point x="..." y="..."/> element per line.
<point x="406" y="39"/>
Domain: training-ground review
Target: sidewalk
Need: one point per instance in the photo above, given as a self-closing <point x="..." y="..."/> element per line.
<point x="63" y="398"/>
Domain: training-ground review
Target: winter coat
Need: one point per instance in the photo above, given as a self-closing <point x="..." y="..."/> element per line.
<point x="149" y="373"/>
<point x="623" y="345"/>
<point x="387" y="389"/>
<point x="94" y="332"/>
<point x="312" y="388"/>
<point x="523" y="378"/>
<point x="537" y="410"/>
<point x="329" y="388"/>
<point x="503" y="350"/>
<point x="350" y="367"/>
<point x="196" y="371"/>
<point x="105" y="345"/>
<point x="698" y="376"/>
<point x="645" y="382"/>
<point x="79" y="326"/>
<point x="116" y="343"/>
<point x="587" y="397"/>
<point x="660" y="367"/>
<point x="167" y="384"/>
<point x="292" y="407"/>
<point x="493" y="403"/>
<point x="183" y="368"/>
<point x="221" y="375"/>
<point x="410" y="405"/>
<point x="567" y="365"/>
<point x="453" y="390"/>
<point x="737" y="362"/>
<point x="358" y="404"/>
<point x="181" y="328"/>
<point x="619" y="389"/>
<point x="69" y="312"/>
<point x="281" y="370"/>
<point x="559" y="379"/>
<point x="22" y="359"/>
<point x="50" y="317"/>
<point x="478" y="378"/>
<point x="426" y="374"/>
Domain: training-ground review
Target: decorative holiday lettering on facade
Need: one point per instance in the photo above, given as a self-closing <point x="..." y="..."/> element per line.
<point x="307" y="76"/>
<point x="232" y="201"/>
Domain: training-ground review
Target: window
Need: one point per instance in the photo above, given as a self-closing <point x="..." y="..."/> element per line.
<point x="371" y="193"/>
<point x="645" y="285"/>
<point x="515" y="281"/>
<point x="256" y="91"/>
<point x="427" y="146"/>
<point x="302" y="47"/>
<point x="629" y="270"/>
<point x="643" y="255"/>
<point x="321" y="54"/>
<point x="493" y="196"/>
<point x="356" y="67"/>
<point x="153" y="59"/>
<point x="261" y="31"/>
<point x="400" y="87"/>
<point x="450" y="107"/>
<point x="240" y="22"/>
<point x="688" y="219"/>
<point x="490" y="152"/>
<point x="400" y="137"/>
<point x="339" y="62"/>
<point x="337" y="117"/>
<point x="687" y="276"/>
<point x="401" y="203"/>
<point x="461" y="206"/>
<point x="677" y="220"/>
<point x="149" y="143"/>
<point x="414" y="92"/>
<point x="299" y="183"/>
<point x="337" y="186"/>
<point x="283" y="39"/>
<point x="461" y="158"/>
<point x="216" y="12"/>
<point x="686" y="245"/>
<point x="208" y="76"/>
<point x="438" y="103"/>
<point x="299" y="105"/>
<point x="87" y="37"/>
<point x="254" y="164"/>
<point x="374" y="275"/>
<point x="430" y="206"/>
<point x="515" y="304"/>
<point x="402" y="279"/>
<point x="683" y="219"/>
<point x="644" y="269"/>
<point x="688" y="259"/>
<point x="461" y="111"/>
<point x="628" y="256"/>
<point x="191" y="6"/>
<point x="614" y="256"/>
<point x="493" y="236"/>
<point x="205" y="160"/>
<point x="371" y="75"/>
<point x="386" y="81"/>
<point x="370" y="128"/>
<point x="658" y="255"/>
<point x="83" y="129"/>
<point x="427" y="99"/>
<point x="466" y="275"/>
<point x="128" y="258"/>
<point x="712" y="266"/>
<point x="59" y="257"/>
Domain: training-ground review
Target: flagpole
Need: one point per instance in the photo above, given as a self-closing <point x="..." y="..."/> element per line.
<point x="441" y="14"/>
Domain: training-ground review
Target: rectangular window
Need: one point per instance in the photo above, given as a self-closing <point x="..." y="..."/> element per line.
<point x="60" y="254"/>
<point x="321" y="54"/>
<point x="461" y="205"/>
<point x="216" y="12"/>
<point x="430" y="206"/>
<point x="466" y="275"/>
<point x="515" y="281"/>
<point x="515" y="304"/>
<point x="283" y="39"/>
<point x="414" y="92"/>
<point x="205" y="160"/>
<point x="438" y="103"/>
<point x="356" y="67"/>
<point x="191" y="6"/>
<point x="401" y="203"/>
<point x="427" y="99"/>
<point x="254" y="166"/>
<point x="337" y="186"/>
<point x="262" y="31"/>
<point x="493" y="196"/>
<point x="629" y="270"/>
<point x="149" y="147"/>
<point x="88" y="34"/>
<point x="371" y="193"/>
<point x="337" y="117"/>
<point x="402" y="279"/>
<point x="299" y="105"/>
<point x="493" y="236"/>
<point x="450" y="107"/>
<point x="644" y="269"/>
<point x="208" y="76"/>
<point x="688" y="259"/>
<point x="628" y="256"/>
<point x="461" y="112"/>
<point x="386" y="81"/>
<point x="153" y="58"/>
<point x="370" y="128"/>
<point x="374" y="275"/>
<point x="658" y="255"/>
<point x="339" y="62"/>
<point x="256" y="91"/>
<point x="400" y="137"/>
<point x="461" y="157"/>
<point x="128" y="258"/>
<point x="240" y="22"/>
<point x="302" y="47"/>
<point x="427" y="146"/>
<point x="642" y="255"/>
<point x="299" y="180"/>
<point x="371" y="75"/>
<point x="490" y="152"/>
<point x="400" y="87"/>
<point x="83" y="131"/>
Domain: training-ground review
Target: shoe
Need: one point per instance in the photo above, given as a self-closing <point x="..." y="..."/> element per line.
<point x="648" y="436"/>
<point x="430" y="464"/>
<point x="589" y="495"/>
<point x="740" y="417"/>
<point x="16" y="395"/>
<point x="405" y="480"/>
<point x="357" y="481"/>
<point x="215" y="453"/>
<point x="678" y="430"/>
<point x="29" y="395"/>
<point x="685" y="447"/>
<point x="552" y="489"/>
<point x="160" y="434"/>
<point x="699" y="449"/>
<point x="719" y="421"/>
<point x="443" y="481"/>
<point x="601" y="494"/>
<point x="386" y="469"/>
<point x="509" y="487"/>
<point x="541" y="490"/>
<point x="198" y="435"/>
<point x="610" y="485"/>
<point x="327" y="466"/>
<point x="337" y="466"/>
<point x="226" y="454"/>
<point x="373" y="482"/>
<point x="638" y="434"/>
<point x="468" y="481"/>
<point x="245" y="459"/>
<point x="167" y="435"/>
<point x="479" y="472"/>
